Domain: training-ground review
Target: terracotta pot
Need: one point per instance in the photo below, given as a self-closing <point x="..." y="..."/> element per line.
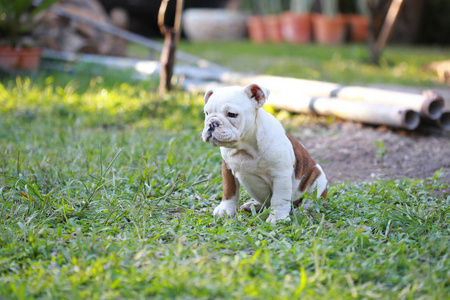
<point x="358" y="27"/>
<point x="329" y="30"/>
<point x="296" y="28"/>
<point x="9" y="58"/>
<point x="29" y="59"/>
<point x="256" y="31"/>
<point x="272" y="26"/>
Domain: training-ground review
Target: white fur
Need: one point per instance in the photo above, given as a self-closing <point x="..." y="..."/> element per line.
<point x="255" y="147"/>
<point x="230" y="206"/>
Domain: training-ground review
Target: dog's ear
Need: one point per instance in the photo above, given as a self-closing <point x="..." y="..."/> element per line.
<point x="207" y="95"/>
<point x="257" y="93"/>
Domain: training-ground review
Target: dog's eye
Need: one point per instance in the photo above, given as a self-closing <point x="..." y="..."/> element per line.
<point x="206" y="113"/>
<point x="232" y="115"/>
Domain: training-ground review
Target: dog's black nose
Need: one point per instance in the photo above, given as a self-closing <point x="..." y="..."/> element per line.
<point x="213" y="125"/>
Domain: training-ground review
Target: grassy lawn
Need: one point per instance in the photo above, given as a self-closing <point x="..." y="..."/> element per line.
<point x="346" y="64"/>
<point x="107" y="191"/>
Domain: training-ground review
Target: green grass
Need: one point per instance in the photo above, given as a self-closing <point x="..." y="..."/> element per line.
<point x="106" y="191"/>
<point x="347" y="64"/>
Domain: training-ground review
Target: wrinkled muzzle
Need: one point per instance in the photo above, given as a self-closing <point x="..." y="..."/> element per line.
<point x="219" y="133"/>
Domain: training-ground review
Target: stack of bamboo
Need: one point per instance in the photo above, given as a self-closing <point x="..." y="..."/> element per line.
<point x="361" y="104"/>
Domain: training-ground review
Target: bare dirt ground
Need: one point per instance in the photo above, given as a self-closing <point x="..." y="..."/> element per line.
<point x="354" y="152"/>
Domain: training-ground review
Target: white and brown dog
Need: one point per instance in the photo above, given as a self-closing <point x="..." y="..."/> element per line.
<point x="273" y="166"/>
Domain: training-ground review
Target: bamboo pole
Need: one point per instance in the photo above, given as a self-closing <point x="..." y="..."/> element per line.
<point x="444" y="121"/>
<point x="428" y="103"/>
<point x="143" y="67"/>
<point x="369" y="113"/>
<point x="291" y="86"/>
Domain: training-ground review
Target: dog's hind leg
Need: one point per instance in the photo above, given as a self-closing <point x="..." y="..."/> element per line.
<point x="300" y="202"/>
<point x="248" y="206"/>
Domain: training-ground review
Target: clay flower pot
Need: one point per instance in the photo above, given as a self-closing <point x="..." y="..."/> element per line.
<point x="256" y="31"/>
<point x="358" y="27"/>
<point x="272" y="27"/>
<point x="296" y="28"/>
<point x="329" y="30"/>
<point x="29" y="59"/>
<point x="20" y="59"/>
<point x="9" y="58"/>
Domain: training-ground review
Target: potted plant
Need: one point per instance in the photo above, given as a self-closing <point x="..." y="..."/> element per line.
<point x="264" y="24"/>
<point x="296" y="23"/>
<point x="329" y="25"/>
<point x="255" y="23"/>
<point x="359" y="23"/>
<point x="272" y="20"/>
<point x="16" y="21"/>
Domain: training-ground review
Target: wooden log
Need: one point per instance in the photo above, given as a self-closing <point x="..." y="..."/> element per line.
<point x="167" y="61"/>
<point x="171" y="37"/>
<point x="389" y="24"/>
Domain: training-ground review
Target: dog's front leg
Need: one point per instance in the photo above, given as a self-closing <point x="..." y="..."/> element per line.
<point x="230" y="197"/>
<point x="281" y="199"/>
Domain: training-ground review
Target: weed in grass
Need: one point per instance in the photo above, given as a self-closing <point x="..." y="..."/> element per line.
<point x="110" y="200"/>
<point x="381" y="151"/>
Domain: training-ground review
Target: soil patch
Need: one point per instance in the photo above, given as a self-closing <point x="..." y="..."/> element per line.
<point x="352" y="152"/>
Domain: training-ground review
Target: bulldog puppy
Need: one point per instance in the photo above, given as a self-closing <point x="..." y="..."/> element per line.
<point x="274" y="168"/>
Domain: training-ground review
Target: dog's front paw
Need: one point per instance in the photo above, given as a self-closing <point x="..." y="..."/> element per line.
<point x="226" y="207"/>
<point x="276" y="216"/>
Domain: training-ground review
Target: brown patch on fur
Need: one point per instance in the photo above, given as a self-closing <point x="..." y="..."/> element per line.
<point x="309" y="178"/>
<point x="229" y="183"/>
<point x="305" y="168"/>
<point x="303" y="161"/>
<point x="254" y="91"/>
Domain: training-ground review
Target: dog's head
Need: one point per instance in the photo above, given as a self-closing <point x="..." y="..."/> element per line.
<point x="230" y="113"/>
